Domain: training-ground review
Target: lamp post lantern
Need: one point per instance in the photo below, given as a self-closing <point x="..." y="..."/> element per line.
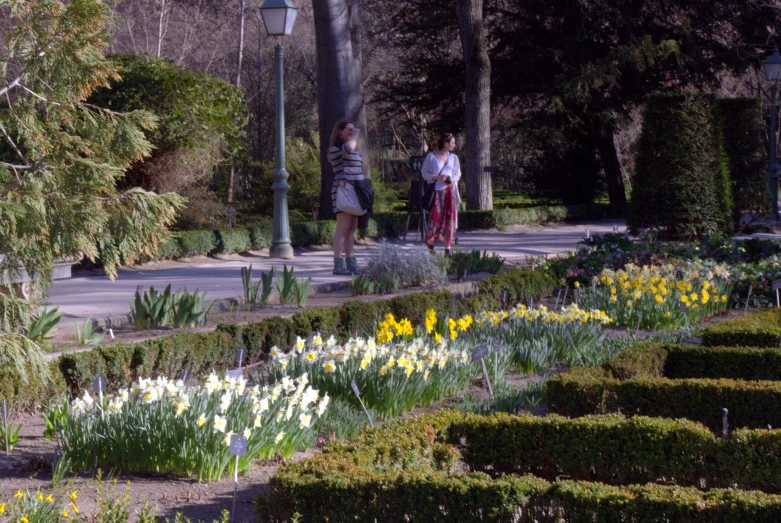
<point x="279" y="17"/>
<point x="772" y="67"/>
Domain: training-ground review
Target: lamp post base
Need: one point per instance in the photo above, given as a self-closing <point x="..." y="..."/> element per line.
<point x="281" y="250"/>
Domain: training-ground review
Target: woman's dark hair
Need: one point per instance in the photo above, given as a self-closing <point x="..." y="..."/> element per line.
<point x="443" y="139"/>
<point x="338" y="128"/>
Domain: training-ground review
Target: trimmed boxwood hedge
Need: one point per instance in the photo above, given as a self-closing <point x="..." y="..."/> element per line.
<point x="653" y="360"/>
<point x="758" y="329"/>
<point x="403" y="471"/>
<point x="237" y="239"/>
<point x="617" y="450"/>
<point x="752" y="404"/>
<point x="197" y="243"/>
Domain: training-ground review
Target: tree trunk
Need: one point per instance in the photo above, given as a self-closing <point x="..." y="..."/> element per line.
<point x="339" y="81"/>
<point x="160" y="29"/>
<point x="477" y="117"/>
<point x="232" y="174"/>
<point x="241" y="44"/>
<point x="612" y="167"/>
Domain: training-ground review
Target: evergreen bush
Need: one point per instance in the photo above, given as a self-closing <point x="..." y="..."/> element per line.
<point x="197" y="243"/>
<point x="237" y="239"/>
<point x="758" y="329"/>
<point x="741" y="123"/>
<point x="681" y="186"/>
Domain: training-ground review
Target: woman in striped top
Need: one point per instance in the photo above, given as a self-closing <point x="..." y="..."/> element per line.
<point x="348" y="167"/>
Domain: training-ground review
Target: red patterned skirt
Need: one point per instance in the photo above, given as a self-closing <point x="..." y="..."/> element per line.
<point x="443" y="220"/>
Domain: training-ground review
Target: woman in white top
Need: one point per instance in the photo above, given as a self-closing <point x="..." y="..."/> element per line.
<point x="442" y="168"/>
<point x="348" y="167"/>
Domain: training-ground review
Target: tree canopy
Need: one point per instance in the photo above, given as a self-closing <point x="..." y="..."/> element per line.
<point x="61" y="156"/>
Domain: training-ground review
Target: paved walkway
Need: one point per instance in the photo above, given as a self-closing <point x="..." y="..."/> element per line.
<point x="99" y="297"/>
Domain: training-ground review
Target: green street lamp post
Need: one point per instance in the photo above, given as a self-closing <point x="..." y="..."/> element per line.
<point x="279" y="17"/>
<point x="772" y="67"/>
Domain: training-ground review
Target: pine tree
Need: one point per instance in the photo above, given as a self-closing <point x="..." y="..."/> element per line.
<point x="61" y="157"/>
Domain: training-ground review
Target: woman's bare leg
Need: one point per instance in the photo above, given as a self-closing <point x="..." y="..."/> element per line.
<point x="349" y="238"/>
<point x="343" y="224"/>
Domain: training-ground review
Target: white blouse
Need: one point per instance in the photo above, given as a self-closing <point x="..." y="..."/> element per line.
<point x="431" y="168"/>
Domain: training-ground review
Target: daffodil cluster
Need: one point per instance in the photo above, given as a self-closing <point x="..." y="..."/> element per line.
<point x="392" y="377"/>
<point x="539" y="337"/>
<point x="39" y="507"/>
<point x="162" y="425"/>
<point x="568" y="314"/>
<point x="659" y="297"/>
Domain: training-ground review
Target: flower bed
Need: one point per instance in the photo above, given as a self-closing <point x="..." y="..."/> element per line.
<point x="163" y="426"/>
<point x="403" y="472"/>
<point x="659" y="297"/>
<point x="404" y="368"/>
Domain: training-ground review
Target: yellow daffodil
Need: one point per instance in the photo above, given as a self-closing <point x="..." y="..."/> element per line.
<point x="18" y="494"/>
<point x="24" y="519"/>
<point x="39" y="496"/>
<point x="2" y="508"/>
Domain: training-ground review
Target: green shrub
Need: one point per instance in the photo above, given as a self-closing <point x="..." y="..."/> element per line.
<point x="25" y="396"/>
<point x="197" y="243"/>
<point x="237" y="239"/>
<point x="477" y="303"/>
<point x="744" y="144"/>
<point x="521" y="284"/>
<point x="744" y="363"/>
<point x="324" y="321"/>
<point x="642" y="360"/>
<point x="261" y="236"/>
<point x="618" y="450"/>
<point x="758" y="329"/>
<point x="403" y="472"/>
<point x="593" y="391"/>
<point x="170" y="249"/>
<point x="414" y="306"/>
<point x="681" y="185"/>
<point x="359" y="318"/>
<point x="168" y="356"/>
<point x="312" y="233"/>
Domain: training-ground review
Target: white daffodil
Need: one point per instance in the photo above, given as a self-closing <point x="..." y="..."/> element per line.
<point x="87" y="399"/>
<point x="279" y="437"/>
<point x="228" y="437"/>
<point x="305" y="420"/>
<point x="247" y="433"/>
<point x="220" y="423"/>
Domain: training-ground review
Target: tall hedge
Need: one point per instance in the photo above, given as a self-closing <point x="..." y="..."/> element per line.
<point x="681" y="186"/>
<point x="741" y="123"/>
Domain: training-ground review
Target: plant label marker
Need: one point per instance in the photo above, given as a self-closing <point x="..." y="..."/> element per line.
<point x="615" y="229"/>
<point x="504" y="298"/>
<point x="99" y="387"/>
<point x="5" y="424"/>
<point x="239" y="356"/>
<point x="478" y="354"/>
<point x="358" y="395"/>
<point x="238" y="447"/>
<point x="724" y="423"/>
<point x="564" y="300"/>
<point x="531" y="302"/>
<point x="184" y="375"/>
<point x="235" y="374"/>
<point x="776" y="287"/>
<point x="576" y="294"/>
<point x="750" y="288"/>
<point x="588" y="234"/>
<point x="111" y="331"/>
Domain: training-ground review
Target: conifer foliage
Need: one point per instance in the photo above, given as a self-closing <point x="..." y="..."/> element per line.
<point x="61" y="157"/>
<point x="682" y="186"/>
